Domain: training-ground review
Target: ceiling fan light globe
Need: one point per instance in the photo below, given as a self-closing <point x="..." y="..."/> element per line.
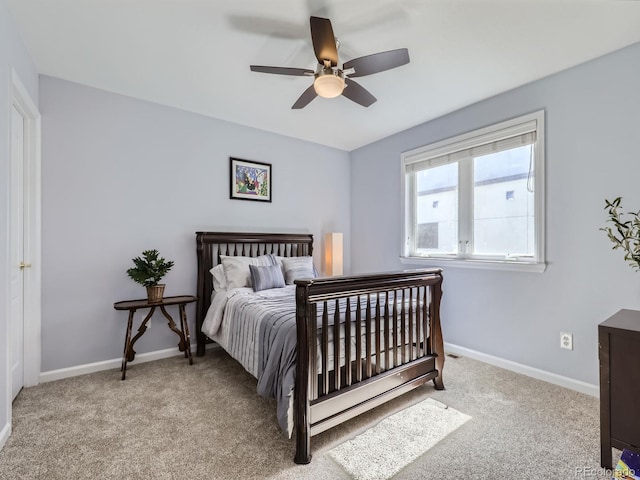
<point x="328" y="85"/>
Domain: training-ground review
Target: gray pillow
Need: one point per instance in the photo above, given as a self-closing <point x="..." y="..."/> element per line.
<point x="298" y="267"/>
<point x="265" y="277"/>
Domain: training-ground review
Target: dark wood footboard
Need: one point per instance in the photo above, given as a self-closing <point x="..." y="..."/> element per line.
<point x="363" y="340"/>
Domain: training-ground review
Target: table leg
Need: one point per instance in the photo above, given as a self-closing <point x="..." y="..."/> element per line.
<point x="186" y="340"/>
<point x="172" y="326"/>
<point x="127" y="340"/>
<point x="131" y="354"/>
<point x="185" y="330"/>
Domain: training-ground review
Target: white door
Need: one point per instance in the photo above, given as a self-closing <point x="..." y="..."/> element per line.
<point x="17" y="250"/>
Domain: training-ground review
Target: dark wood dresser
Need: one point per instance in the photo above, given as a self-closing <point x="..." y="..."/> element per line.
<point x="619" y="350"/>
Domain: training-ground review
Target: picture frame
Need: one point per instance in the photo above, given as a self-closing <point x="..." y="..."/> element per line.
<point x="250" y="180"/>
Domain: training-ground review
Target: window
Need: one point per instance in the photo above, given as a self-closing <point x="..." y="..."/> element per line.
<point x="488" y="187"/>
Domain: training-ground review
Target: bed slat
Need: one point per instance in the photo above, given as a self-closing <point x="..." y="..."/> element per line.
<point x="336" y="346"/>
<point x="313" y="357"/>
<point x="367" y="337"/>
<point x="377" y="334"/>
<point x="325" y="350"/>
<point x="387" y="335"/>
<point x="347" y="343"/>
<point x="358" y="337"/>
<point x="403" y="326"/>
<point x="395" y="329"/>
<point x="418" y="326"/>
<point x="411" y="320"/>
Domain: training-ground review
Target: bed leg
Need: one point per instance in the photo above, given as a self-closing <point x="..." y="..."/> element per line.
<point x="305" y="316"/>
<point x="201" y="344"/>
<point x="301" y="419"/>
<point x="437" y="382"/>
<point x="438" y="342"/>
<point x="303" y="453"/>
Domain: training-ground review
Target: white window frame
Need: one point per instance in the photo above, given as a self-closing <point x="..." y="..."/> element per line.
<point x="506" y="129"/>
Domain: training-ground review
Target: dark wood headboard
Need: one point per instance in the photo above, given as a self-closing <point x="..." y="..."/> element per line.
<point x="210" y="245"/>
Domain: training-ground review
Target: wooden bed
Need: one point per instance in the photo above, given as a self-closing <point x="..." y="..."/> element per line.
<point x="388" y="326"/>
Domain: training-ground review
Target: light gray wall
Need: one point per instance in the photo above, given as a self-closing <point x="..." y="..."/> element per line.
<point x="122" y="175"/>
<point x="13" y="55"/>
<point x="592" y="124"/>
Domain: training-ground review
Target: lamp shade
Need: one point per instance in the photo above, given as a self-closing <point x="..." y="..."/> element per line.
<point x="333" y="254"/>
<point x="328" y="85"/>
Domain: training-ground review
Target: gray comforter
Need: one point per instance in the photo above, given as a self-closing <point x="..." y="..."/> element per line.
<point x="259" y="330"/>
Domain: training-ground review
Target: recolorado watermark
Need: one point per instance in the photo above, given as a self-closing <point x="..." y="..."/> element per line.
<point x="598" y="472"/>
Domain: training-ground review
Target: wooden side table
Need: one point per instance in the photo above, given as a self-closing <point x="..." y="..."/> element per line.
<point x="619" y="345"/>
<point x="183" y="333"/>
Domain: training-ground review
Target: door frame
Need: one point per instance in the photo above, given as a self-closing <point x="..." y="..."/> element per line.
<point x="23" y="102"/>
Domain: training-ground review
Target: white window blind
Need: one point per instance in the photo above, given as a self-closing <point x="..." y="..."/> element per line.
<point x="521" y="135"/>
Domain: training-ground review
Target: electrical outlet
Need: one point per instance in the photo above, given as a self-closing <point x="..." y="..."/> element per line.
<point x="566" y="340"/>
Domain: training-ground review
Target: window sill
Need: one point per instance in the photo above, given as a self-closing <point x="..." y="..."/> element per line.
<point x="482" y="264"/>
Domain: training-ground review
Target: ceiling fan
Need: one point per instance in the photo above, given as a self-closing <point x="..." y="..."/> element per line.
<point x="330" y="80"/>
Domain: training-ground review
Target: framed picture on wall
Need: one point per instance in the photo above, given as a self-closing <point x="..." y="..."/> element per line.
<point x="250" y="180"/>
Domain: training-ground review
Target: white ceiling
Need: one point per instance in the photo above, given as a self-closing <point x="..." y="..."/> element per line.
<point x="195" y="54"/>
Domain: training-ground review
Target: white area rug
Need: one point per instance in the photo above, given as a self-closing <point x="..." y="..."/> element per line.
<point x="383" y="450"/>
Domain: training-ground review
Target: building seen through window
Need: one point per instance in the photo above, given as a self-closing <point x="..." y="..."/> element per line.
<point x="499" y="227"/>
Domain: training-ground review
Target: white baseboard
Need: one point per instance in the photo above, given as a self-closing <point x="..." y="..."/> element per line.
<point x="4" y="434"/>
<point x="108" y="364"/>
<point x="566" y="382"/>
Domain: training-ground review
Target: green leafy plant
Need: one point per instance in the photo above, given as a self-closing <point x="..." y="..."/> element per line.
<point x="149" y="269"/>
<point x="625" y="233"/>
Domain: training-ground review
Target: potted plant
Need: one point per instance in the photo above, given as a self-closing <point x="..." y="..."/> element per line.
<point x="625" y="234"/>
<point x="148" y="271"/>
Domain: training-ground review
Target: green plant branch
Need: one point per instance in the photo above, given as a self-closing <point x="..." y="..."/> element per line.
<point x="625" y="234"/>
<point x="149" y="269"/>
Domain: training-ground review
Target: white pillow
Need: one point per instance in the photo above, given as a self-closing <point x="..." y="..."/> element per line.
<point x="219" y="280"/>
<point x="279" y="259"/>
<point x="236" y="269"/>
<point x="298" y="267"/>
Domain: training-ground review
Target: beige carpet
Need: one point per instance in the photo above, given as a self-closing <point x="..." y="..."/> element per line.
<point x="395" y="442"/>
<point x="169" y="420"/>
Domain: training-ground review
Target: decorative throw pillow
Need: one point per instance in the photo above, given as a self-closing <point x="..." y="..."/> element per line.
<point x="219" y="280"/>
<point x="263" y="278"/>
<point x="279" y="262"/>
<point x="236" y="269"/>
<point x="298" y="267"/>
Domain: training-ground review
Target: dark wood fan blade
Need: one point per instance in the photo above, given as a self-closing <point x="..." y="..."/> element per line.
<point x="324" y="42"/>
<point x="357" y="93"/>
<point x="378" y="62"/>
<point x="300" y="72"/>
<point x="306" y="97"/>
